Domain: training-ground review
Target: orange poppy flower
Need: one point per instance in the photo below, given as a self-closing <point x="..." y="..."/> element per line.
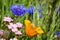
<point x="31" y="29"/>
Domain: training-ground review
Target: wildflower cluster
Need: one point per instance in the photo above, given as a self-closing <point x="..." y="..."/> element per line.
<point x="13" y="27"/>
<point x="20" y="10"/>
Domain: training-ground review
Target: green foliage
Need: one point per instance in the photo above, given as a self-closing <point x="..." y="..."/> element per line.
<point x="49" y="21"/>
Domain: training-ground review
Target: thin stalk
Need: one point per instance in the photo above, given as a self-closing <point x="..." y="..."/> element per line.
<point x="52" y="26"/>
<point x="19" y="1"/>
<point x="38" y="36"/>
<point x="34" y="17"/>
<point x="26" y="15"/>
<point x="7" y="13"/>
<point x="14" y="1"/>
<point x="10" y="4"/>
<point x="2" y="14"/>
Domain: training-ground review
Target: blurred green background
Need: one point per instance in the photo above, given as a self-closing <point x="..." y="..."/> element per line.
<point x="50" y="20"/>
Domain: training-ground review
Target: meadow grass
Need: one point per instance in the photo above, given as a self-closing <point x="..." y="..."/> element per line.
<point x="50" y="20"/>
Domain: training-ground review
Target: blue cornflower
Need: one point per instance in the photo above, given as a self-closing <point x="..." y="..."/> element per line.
<point x="18" y="10"/>
<point x="31" y="9"/>
<point x="40" y="15"/>
<point x="57" y="33"/>
<point x="59" y="9"/>
<point x="40" y="11"/>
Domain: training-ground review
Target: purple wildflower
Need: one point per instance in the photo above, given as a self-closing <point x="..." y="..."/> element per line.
<point x="18" y="10"/>
<point x="59" y="9"/>
<point x="31" y="9"/>
<point x="57" y="33"/>
<point x="40" y="11"/>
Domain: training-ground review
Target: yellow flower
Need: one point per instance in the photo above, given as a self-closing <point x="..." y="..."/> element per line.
<point x="31" y="29"/>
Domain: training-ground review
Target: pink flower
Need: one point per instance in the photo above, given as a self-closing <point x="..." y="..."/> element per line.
<point x="1" y="32"/>
<point x="18" y="33"/>
<point x="14" y="30"/>
<point x="14" y="39"/>
<point x="2" y="39"/>
<point x="11" y="39"/>
<point x="12" y="26"/>
<point x="19" y="25"/>
<point x="7" y="19"/>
